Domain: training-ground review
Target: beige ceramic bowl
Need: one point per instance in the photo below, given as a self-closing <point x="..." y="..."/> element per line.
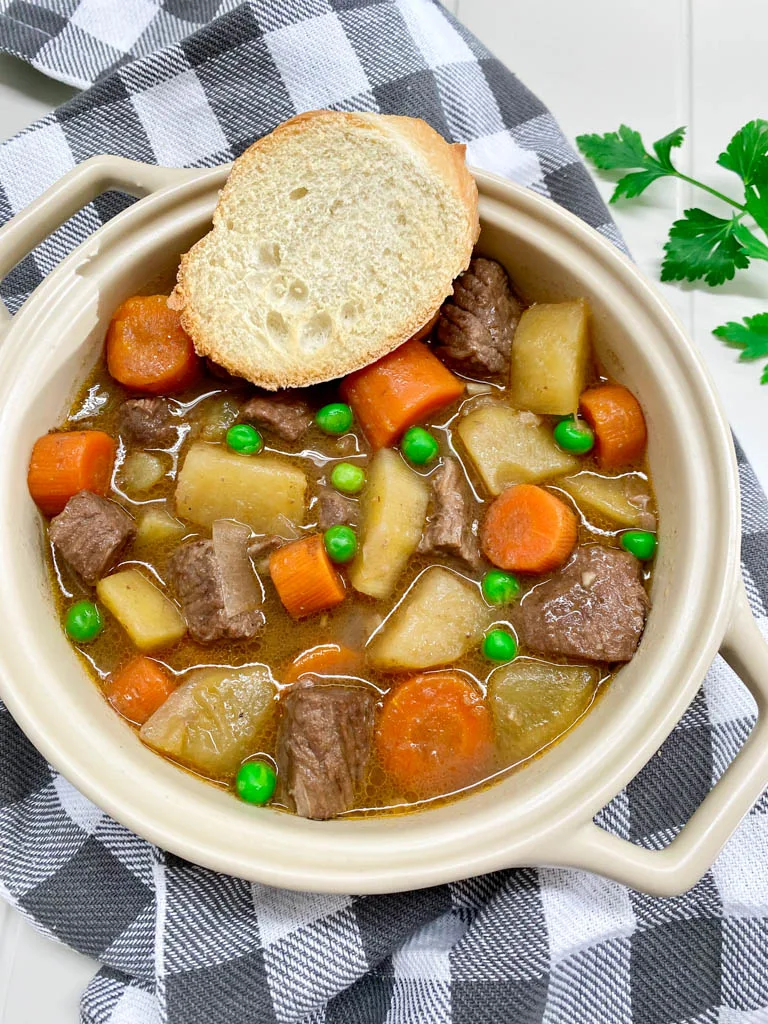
<point x="540" y="815"/>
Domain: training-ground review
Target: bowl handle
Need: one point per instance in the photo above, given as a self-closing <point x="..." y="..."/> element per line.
<point x="69" y="194"/>
<point x="689" y="856"/>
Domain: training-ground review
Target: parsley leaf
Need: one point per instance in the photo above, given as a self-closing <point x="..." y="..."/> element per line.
<point x="747" y="153"/>
<point x="751" y="245"/>
<point x="757" y="204"/>
<point x="703" y="246"/>
<point x="751" y="337"/>
<point x="614" y="150"/>
<point x="633" y="184"/>
<point x="663" y="146"/>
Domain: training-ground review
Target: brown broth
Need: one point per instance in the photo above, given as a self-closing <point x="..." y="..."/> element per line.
<point x="96" y="405"/>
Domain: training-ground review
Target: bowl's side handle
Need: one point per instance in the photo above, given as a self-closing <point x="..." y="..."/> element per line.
<point x="69" y="194"/>
<point x="689" y="856"/>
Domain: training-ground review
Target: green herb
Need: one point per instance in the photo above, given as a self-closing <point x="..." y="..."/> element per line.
<point x="751" y="336"/>
<point x="701" y="246"/>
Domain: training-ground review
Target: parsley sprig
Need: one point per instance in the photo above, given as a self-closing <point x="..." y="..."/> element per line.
<point x="702" y="246"/>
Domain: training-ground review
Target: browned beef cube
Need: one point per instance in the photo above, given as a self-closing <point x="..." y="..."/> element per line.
<point x="592" y="609"/>
<point x="323" y="747"/>
<point x="91" y="533"/>
<point x="196" y="576"/>
<point x="477" y="324"/>
<point x="449" y="530"/>
<point x="147" y="422"/>
<point x="333" y="509"/>
<point x="288" y="415"/>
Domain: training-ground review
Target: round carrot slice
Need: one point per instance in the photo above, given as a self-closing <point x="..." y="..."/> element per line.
<point x="434" y="734"/>
<point x="528" y="529"/>
<point x="148" y="349"/>
<point x="617" y="419"/>
<point x="139" y="688"/>
<point x="326" y="659"/>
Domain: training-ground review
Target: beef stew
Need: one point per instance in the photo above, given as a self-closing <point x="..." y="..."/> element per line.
<point x="366" y="596"/>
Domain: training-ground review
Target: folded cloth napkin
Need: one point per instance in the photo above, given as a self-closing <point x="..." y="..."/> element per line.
<point x="183" y="83"/>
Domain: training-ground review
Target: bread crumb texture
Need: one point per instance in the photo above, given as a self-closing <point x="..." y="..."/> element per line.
<point x="334" y="240"/>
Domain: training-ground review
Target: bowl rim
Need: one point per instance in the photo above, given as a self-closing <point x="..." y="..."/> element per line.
<point x="506" y="852"/>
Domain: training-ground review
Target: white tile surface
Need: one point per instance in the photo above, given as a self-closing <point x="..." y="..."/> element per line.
<point x="654" y="64"/>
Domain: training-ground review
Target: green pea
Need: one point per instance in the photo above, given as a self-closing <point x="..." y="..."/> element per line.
<point x="335" y="418"/>
<point x="340" y="543"/>
<point x="244" y="439"/>
<point x="639" y="543"/>
<point x="419" y="446"/>
<point x="255" y="782"/>
<point x="573" y="435"/>
<point x="499" y="645"/>
<point x="500" y="587"/>
<point x="347" y="478"/>
<point x="83" y="622"/>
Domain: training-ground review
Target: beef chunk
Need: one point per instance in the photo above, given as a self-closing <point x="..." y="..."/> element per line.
<point x="195" y="575"/>
<point x="593" y="609"/>
<point x="449" y="530"/>
<point x="147" y="422"/>
<point x="91" y="533"/>
<point x="323" y="746"/>
<point x="333" y="508"/>
<point x="285" y="413"/>
<point x="476" y="325"/>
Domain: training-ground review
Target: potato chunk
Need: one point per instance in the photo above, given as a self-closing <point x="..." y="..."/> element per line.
<point x="141" y="472"/>
<point x="624" y="499"/>
<point x="550" y="353"/>
<point x="149" y="618"/>
<point x="212" y="722"/>
<point x="157" y="525"/>
<point x="509" y="447"/>
<point x="393" y="515"/>
<point x="534" y="702"/>
<point x="267" y="493"/>
<point x="439" y="619"/>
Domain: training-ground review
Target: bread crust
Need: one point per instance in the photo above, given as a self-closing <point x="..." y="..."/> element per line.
<point x="446" y="161"/>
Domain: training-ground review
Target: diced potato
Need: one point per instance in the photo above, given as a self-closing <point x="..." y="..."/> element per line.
<point x="550" y="353"/>
<point x="509" y="447"/>
<point x="392" y="516"/>
<point x="217" y="416"/>
<point x="140" y="472"/>
<point x="149" y="618"/>
<point x="624" y="499"/>
<point x="157" y="525"/>
<point x="212" y="722"/>
<point x="265" y="492"/>
<point x="534" y="702"/>
<point x="439" y="619"/>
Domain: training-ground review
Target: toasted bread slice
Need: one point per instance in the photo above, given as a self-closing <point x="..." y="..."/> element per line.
<point x="335" y="239"/>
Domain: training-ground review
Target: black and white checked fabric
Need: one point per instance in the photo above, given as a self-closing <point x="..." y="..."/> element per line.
<point x="193" y="82"/>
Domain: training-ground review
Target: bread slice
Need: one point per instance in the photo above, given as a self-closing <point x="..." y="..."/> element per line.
<point x="335" y="239"/>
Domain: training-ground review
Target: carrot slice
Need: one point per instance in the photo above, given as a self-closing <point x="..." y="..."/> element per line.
<point x="617" y="419"/>
<point x="305" y="577"/>
<point x="434" y="734"/>
<point x="401" y="389"/>
<point x="139" y="688"/>
<point x="528" y="529"/>
<point x="327" y="659"/>
<point x="148" y="349"/>
<point x="67" y="462"/>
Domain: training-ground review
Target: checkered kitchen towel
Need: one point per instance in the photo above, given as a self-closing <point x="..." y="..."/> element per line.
<point x="193" y="83"/>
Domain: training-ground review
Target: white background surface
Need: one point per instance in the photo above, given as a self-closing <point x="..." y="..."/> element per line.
<point x="653" y="64"/>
